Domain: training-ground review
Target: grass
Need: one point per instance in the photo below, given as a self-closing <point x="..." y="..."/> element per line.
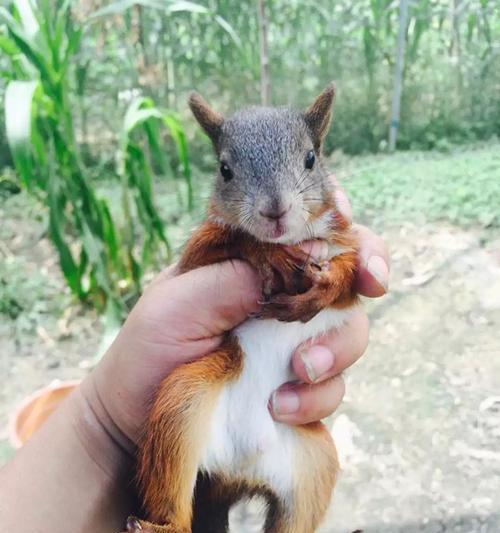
<point x="461" y="186"/>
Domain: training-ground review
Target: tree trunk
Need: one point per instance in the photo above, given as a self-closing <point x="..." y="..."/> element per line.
<point x="265" y="81"/>
<point x="398" y="74"/>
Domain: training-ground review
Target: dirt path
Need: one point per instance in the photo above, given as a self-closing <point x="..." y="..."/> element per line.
<point x="418" y="433"/>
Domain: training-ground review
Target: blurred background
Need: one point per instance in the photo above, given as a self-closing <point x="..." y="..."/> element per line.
<point x="104" y="173"/>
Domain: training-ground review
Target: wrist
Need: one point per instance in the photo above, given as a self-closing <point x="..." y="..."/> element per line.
<point x="72" y="467"/>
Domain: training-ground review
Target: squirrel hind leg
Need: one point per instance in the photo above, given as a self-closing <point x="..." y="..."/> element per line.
<point x="315" y="471"/>
<point x="175" y="440"/>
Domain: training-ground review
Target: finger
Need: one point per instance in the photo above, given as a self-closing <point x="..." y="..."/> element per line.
<point x="317" y="250"/>
<point x="301" y="404"/>
<point x="202" y="303"/>
<point x="373" y="263"/>
<point x="341" y="200"/>
<point x="327" y="356"/>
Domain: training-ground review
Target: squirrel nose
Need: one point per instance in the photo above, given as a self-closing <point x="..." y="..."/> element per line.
<point x="275" y="212"/>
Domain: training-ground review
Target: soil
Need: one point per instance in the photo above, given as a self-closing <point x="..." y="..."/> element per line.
<point x="419" y="431"/>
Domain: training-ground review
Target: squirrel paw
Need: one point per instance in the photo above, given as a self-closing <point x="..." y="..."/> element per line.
<point x="287" y="308"/>
<point x="282" y="271"/>
<point x="303" y="306"/>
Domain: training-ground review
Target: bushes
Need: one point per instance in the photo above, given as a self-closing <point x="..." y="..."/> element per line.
<point x="103" y="261"/>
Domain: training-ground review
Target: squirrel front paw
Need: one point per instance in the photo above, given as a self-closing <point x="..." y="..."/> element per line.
<point x="283" y="272"/>
<point x="291" y="308"/>
<point x="306" y="305"/>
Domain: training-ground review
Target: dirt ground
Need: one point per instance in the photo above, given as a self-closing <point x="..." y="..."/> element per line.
<point x="419" y="430"/>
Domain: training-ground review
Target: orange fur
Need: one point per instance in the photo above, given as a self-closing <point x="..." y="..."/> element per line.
<point x="177" y="427"/>
<point x="278" y="269"/>
<point x="331" y="287"/>
<point x="315" y="469"/>
<point x="173" y="443"/>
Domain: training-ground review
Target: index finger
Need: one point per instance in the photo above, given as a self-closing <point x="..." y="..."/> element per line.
<point x="341" y="200"/>
<point x="372" y="277"/>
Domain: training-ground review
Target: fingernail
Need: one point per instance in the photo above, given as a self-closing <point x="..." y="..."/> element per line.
<point x="285" y="402"/>
<point x="317" y="361"/>
<point x="377" y="267"/>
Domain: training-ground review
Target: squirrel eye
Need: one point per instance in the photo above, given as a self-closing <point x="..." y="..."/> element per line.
<point x="310" y="158"/>
<point x="226" y="172"/>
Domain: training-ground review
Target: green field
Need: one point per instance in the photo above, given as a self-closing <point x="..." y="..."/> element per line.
<point x="461" y="186"/>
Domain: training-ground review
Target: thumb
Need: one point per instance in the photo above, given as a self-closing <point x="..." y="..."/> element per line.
<point x="205" y="302"/>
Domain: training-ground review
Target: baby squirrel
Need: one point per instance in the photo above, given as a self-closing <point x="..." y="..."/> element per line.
<point x="210" y="439"/>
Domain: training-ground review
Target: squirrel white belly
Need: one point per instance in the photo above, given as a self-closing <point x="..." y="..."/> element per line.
<point x="210" y="439"/>
<point x="244" y="440"/>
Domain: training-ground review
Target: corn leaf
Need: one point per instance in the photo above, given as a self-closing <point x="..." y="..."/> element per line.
<point x="27" y="16"/>
<point x="179" y="137"/>
<point x="19" y="99"/>
<point x="69" y="266"/>
<point x="224" y="24"/>
<point x="28" y="47"/>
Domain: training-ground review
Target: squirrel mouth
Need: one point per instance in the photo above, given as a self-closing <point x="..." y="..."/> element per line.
<point x="278" y="231"/>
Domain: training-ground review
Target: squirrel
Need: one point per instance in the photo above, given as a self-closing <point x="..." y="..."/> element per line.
<point x="210" y="439"/>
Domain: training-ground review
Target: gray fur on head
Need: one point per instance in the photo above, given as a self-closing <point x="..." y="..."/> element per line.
<point x="271" y="193"/>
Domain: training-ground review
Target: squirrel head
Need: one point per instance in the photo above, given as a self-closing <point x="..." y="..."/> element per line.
<point x="270" y="181"/>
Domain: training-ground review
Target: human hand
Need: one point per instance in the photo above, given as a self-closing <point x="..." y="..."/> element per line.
<point x="180" y="318"/>
<point x="318" y="364"/>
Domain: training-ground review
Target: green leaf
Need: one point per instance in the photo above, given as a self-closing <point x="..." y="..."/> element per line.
<point x="7" y="46"/>
<point x="191" y="7"/>
<point x="224" y="24"/>
<point x="179" y="137"/>
<point x="69" y="267"/>
<point x="74" y="40"/>
<point x="19" y="98"/>
<point x="139" y="116"/>
<point x="110" y="236"/>
<point x="27" y="16"/>
<point x="28" y="48"/>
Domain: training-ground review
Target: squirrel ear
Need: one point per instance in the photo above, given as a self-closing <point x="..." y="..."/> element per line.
<point x="207" y="118"/>
<point x="319" y="114"/>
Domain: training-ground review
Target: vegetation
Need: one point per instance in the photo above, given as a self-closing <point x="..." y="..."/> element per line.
<point x="107" y="263"/>
<point x="460" y="186"/>
<point x="96" y="119"/>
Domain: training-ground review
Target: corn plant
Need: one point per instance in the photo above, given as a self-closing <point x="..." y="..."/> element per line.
<point x="143" y="119"/>
<point x="102" y="261"/>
